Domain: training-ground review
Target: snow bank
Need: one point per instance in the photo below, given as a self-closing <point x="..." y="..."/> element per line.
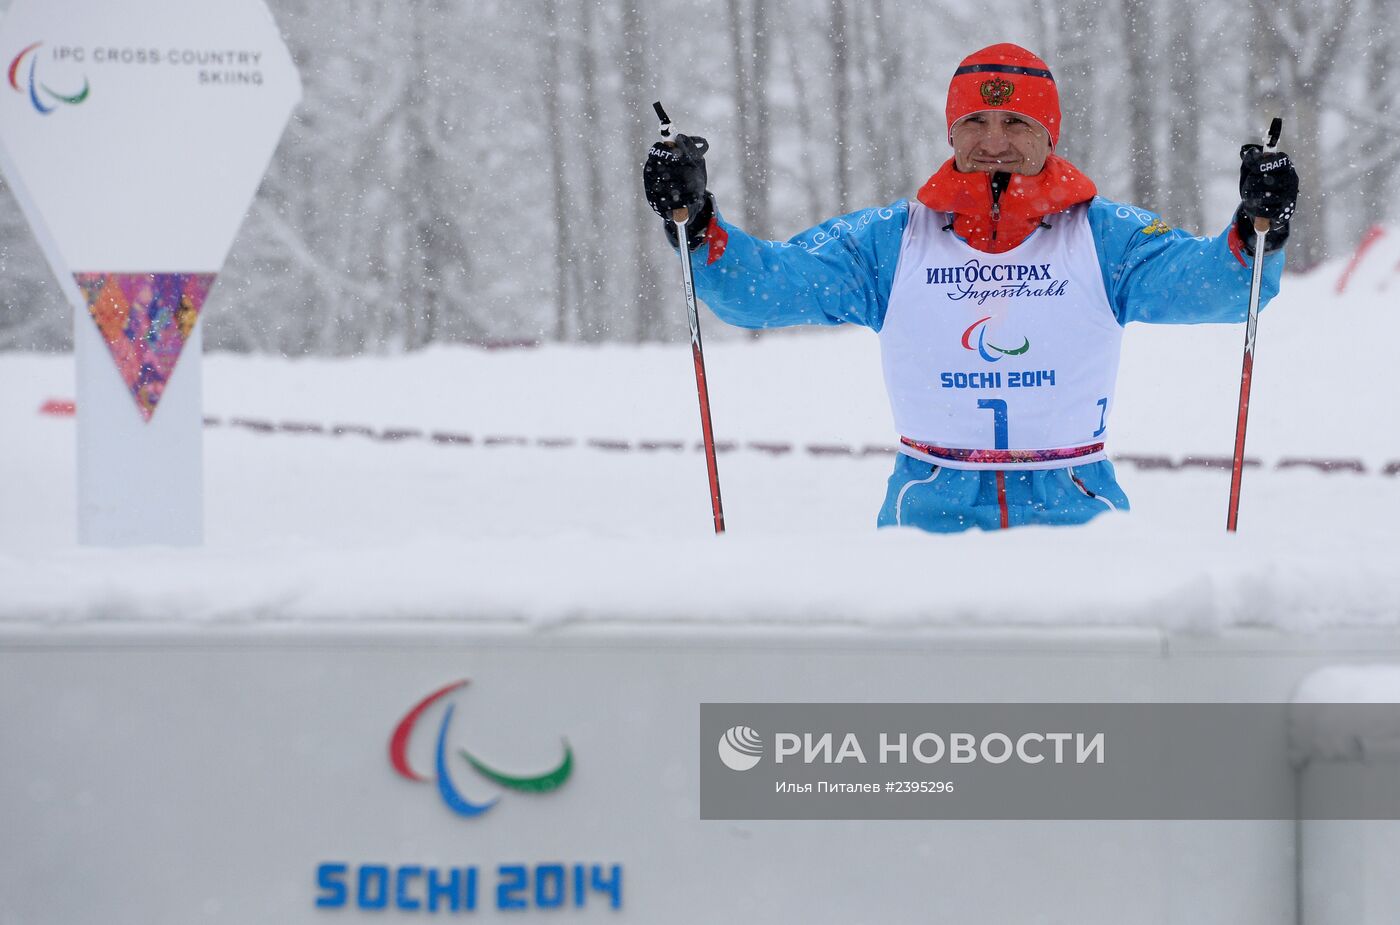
<point x="310" y="526"/>
<point x="1351" y="684"/>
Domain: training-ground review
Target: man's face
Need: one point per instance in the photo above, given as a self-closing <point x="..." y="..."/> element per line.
<point x="991" y="141"/>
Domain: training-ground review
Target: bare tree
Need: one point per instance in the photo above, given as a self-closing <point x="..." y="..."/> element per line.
<point x="33" y="314"/>
<point x="1301" y="41"/>
<point x="645" y="226"/>
<point x="591" y="244"/>
<point x="750" y="41"/>
<point x="867" y="85"/>
<point x="565" y="283"/>
<point x="841" y="103"/>
<point x="805" y="118"/>
<point x="887" y="68"/>
<point x="1368" y="170"/>
<point x="1142" y="97"/>
<point x="1382" y="82"/>
<point x="1068" y="29"/>
<point x="437" y="273"/>
<point x="1182" y="199"/>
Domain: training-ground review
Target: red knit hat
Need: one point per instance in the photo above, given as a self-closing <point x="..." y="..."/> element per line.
<point x="1005" y="77"/>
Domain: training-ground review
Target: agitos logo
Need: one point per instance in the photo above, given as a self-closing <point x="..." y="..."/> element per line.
<point x="980" y="326"/>
<point x="452" y="797"/>
<point x="39" y="92"/>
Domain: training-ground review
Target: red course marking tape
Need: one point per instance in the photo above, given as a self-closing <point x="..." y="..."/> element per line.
<point x="294" y="427"/>
<point x="1216" y="462"/>
<point x="1147" y="462"/>
<point x="59" y="407"/>
<point x="397" y="436"/>
<point x="1323" y="465"/>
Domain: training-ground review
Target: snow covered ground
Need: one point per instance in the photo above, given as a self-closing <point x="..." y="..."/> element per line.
<point x="308" y="525"/>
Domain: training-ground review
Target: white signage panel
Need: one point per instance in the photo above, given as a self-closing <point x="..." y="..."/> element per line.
<point x="140" y="129"/>
<point x="134" y="135"/>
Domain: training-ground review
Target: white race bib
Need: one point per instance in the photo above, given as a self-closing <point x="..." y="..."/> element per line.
<point x="1000" y="361"/>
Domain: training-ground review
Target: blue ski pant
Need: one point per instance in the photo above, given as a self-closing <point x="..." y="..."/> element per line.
<point x="943" y="500"/>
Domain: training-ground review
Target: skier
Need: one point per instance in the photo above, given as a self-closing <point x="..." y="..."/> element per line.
<point x="999" y="295"/>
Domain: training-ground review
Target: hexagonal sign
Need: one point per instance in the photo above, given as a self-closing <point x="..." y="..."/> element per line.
<point x="134" y="134"/>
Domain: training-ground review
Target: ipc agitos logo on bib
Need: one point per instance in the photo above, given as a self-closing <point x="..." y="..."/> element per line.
<point x="990" y="352"/>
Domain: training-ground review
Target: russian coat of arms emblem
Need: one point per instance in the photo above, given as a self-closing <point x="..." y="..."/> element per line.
<point x="997" y="92"/>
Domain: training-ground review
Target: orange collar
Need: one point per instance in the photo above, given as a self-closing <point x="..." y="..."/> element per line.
<point x="1026" y="201"/>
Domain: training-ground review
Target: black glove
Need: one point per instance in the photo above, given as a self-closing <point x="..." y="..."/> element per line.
<point x="674" y="178"/>
<point x="696" y="226"/>
<point x="1268" y="189"/>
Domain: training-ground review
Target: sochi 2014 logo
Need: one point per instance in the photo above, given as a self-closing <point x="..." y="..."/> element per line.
<point x="983" y="348"/>
<point x="452" y="796"/>
<point x="44" y="98"/>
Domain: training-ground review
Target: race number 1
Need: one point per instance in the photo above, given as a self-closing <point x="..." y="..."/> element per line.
<point x="1000" y="431"/>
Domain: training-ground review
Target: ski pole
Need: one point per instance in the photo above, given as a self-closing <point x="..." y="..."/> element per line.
<point x="1261" y="230"/>
<point x="680" y="217"/>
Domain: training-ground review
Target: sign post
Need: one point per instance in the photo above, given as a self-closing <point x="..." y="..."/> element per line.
<point x="134" y="134"/>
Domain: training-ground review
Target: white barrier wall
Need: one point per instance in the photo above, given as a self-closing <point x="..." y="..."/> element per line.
<point x="1348" y="870"/>
<point x="245" y="774"/>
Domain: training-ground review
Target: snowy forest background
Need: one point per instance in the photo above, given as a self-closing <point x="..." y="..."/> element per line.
<point x="469" y="172"/>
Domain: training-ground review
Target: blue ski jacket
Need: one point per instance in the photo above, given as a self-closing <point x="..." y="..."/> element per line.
<point x="842" y="272"/>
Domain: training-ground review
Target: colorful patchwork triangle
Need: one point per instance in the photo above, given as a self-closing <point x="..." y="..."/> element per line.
<point x="145" y="318"/>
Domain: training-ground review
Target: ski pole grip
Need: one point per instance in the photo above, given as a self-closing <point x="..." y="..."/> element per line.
<point x="681" y="215"/>
<point x="1262" y="225"/>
